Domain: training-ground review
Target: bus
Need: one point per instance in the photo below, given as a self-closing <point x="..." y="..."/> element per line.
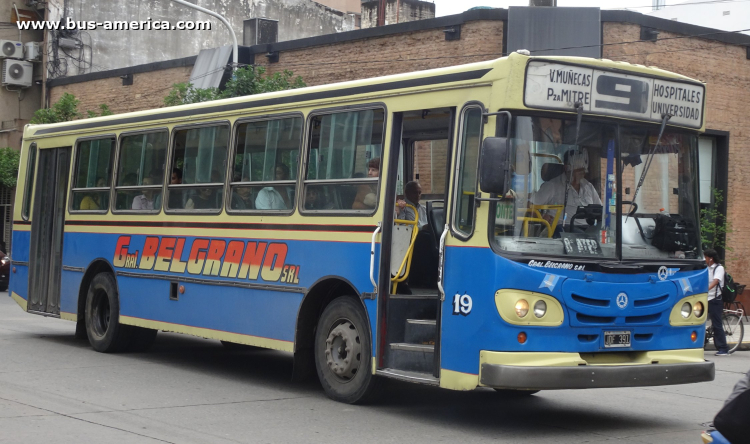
<point x="523" y="224"/>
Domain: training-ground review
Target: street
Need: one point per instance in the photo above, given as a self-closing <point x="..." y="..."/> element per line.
<point x="54" y="388"/>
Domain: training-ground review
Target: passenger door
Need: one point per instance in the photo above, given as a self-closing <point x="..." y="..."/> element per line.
<point x="48" y="219"/>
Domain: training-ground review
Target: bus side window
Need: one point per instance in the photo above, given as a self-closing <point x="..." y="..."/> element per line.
<point x="199" y="156"/>
<point x="264" y="168"/>
<point x="343" y="162"/>
<point x="93" y="175"/>
<point x="140" y="171"/>
<point x="466" y="181"/>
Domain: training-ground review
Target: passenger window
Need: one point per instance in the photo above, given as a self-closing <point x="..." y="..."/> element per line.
<point x="30" y="168"/>
<point x="343" y="164"/>
<point x="198" y="168"/>
<point x="466" y="180"/>
<point x="92" y="176"/>
<point x="264" y="170"/>
<point x="140" y="171"/>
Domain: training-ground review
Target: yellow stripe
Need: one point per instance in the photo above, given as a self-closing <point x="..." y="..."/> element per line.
<point x="208" y="333"/>
<point x="19" y="300"/>
<point x="69" y="316"/>
<point x="21" y="227"/>
<point x="452" y="380"/>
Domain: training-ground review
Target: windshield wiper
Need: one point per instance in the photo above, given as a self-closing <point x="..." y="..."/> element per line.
<point x="650" y="157"/>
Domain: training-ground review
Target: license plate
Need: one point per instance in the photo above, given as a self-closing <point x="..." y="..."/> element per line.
<point x="613" y="339"/>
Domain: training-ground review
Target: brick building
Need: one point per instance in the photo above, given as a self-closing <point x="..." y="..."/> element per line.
<point x="721" y="59"/>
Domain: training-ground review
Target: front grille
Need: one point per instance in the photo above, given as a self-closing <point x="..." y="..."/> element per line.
<point x="647" y="319"/>
<point x="594" y="320"/>
<point x="589" y="301"/>
<point x="651" y="301"/>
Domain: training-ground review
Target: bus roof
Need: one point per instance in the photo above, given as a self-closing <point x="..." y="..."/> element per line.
<point x="354" y="90"/>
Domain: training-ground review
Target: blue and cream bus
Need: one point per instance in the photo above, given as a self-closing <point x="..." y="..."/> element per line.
<point x="552" y="244"/>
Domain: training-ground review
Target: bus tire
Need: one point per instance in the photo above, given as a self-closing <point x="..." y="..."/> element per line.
<point x="343" y="352"/>
<point x="106" y="333"/>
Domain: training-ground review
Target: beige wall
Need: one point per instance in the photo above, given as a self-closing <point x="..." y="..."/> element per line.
<point x="342" y="5"/>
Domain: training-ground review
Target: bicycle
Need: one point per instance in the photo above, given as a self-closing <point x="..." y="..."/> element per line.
<point x="733" y="328"/>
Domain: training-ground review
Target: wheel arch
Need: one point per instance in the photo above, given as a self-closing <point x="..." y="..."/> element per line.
<point x="98" y="265"/>
<point x="317" y="298"/>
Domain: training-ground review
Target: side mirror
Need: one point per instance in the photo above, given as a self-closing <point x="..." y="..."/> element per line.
<point x="494" y="165"/>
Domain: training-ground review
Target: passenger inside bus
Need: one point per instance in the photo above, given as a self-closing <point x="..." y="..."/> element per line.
<point x="147" y="200"/>
<point x="412" y="195"/>
<point x="367" y="197"/>
<point x="205" y="198"/>
<point x="279" y="197"/>
<point x="93" y="201"/>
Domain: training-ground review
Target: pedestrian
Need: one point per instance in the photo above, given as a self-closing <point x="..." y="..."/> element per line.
<point x="715" y="304"/>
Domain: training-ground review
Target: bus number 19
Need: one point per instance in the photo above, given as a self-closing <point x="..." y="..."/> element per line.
<point x="462" y="304"/>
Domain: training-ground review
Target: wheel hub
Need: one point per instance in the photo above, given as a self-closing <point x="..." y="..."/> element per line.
<point x="343" y="350"/>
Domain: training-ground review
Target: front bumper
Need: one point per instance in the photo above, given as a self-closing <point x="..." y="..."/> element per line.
<point x="551" y="371"/>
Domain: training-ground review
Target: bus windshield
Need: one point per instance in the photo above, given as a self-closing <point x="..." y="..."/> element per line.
<point x="550" y="156"/>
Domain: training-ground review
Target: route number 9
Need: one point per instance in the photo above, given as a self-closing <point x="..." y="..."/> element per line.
<point x="621" y="94"/>
<point x="462" y="304"/>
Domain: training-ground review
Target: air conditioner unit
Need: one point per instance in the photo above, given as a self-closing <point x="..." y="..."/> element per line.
<point x="33" y="50"/>
<point x="11" y="49"/>
<point x="17" y="72"/>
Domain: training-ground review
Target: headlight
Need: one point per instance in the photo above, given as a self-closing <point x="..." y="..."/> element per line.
<point x="698" y="309"/>
<point x="686" y="309"/>
<point x="540" y="308"/>
<point x="522" y="308"/>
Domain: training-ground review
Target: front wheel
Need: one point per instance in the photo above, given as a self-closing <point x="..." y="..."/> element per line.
<point x="343" y="352"/>
<point x="103" y="327"/>
<point x="734" y="331"/>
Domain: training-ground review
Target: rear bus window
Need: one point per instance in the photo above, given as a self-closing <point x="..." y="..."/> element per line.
<point x="198" y="168"/>
<point x="140" y="171"/>
<point x="264" y="170"/>
<point x="343" y="166"/>
<point x="92" y="175"/>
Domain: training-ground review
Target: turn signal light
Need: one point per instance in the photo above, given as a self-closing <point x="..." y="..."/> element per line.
<point x="694" y="336"/>
<point x="522" y="338"/>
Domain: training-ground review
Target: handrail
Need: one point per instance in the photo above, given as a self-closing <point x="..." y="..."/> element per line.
<point x="441" y="254"/>
<point x="406" y="262"/>
<point x="372" y="259"/>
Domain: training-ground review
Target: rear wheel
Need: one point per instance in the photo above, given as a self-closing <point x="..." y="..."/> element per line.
<point x="734" y="331"/>
<point x="103" y="327"/>
<point x="343" y="352"/>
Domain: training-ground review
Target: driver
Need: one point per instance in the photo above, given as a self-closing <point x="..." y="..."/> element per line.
<point x="580" y="191"/>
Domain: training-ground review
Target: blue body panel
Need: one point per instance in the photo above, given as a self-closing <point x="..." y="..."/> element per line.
<point x="479" y="272"/>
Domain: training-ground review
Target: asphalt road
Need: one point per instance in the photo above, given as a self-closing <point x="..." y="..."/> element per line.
<point x="56" y="389"/>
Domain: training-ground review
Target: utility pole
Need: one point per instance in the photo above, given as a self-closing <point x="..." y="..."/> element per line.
<point x="223" y="20"/>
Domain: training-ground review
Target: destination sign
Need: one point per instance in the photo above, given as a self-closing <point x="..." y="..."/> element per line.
<point x="557" y="86"/>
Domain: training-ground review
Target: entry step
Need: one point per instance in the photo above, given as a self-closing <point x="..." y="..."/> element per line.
<point x="420" y="331"/>
<point x="404" y="375"/>
<point x="405" y="346"/>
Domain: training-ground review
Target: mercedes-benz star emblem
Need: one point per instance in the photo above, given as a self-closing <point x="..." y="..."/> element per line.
<point x="622" y="300"/>
<point x="663" y="273"/>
